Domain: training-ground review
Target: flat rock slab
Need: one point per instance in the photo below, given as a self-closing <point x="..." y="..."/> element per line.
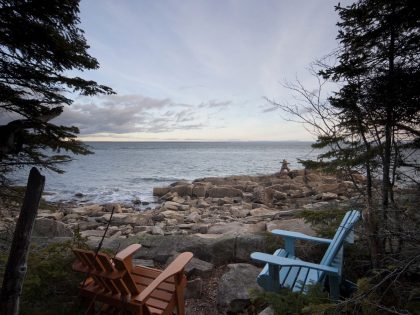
<point x="263" y="213"/>
<point x="96" y="233"/>
<point x="233" y="290"/>
<point x="51" y="228"/>
<point x="225" y="228"/>
<point x="295" y="225"/>
<point x="235" y="228"/>
<point x="214" y="248"/>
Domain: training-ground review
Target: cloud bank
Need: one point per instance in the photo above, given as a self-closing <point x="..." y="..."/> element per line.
<point x="122" y="114"/>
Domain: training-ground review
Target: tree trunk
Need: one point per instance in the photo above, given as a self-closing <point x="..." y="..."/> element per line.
<point x="370" y="215"/>
<point x="389" y="123"/>
<point x="16" y="263"/>
<point x="371" y="223"/>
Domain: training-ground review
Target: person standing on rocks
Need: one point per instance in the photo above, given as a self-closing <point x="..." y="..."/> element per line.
<point x="284" y="167"/>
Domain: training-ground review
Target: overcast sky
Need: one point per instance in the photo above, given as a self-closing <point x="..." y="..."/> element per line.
<point x="199" y="69"/>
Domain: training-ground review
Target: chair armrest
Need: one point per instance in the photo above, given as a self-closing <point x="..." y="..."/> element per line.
<point x="300" y="236"/>
<point x="128" y="252"/>
<point x="282" y="261"/>
<point x="175" y="267"/>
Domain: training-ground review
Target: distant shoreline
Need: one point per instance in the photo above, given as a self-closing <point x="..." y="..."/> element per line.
<point x="200" y="141"/>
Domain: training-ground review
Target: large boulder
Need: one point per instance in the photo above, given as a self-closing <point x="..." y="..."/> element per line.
<point x="171" y="214"/>
<point x="246" y="244"/>
<point x="169" y="196"/>
<point x="193" y="217"/>
<point x="200" y="189"/>
<point x="156" y="230"/>
<point x="234" y="285"/>
<point x="51" y="228"/>
<point x="174" y="206"/>
<point x="84" y="224"/>
<point x="224" y="191"/>
<point x="201" y="203"/>
<point x="216" y="249"/>
<point x="249" y="186"/>
<point x="239" y="212"/>
<point x="183" y="189"/>
<point x="326" y="196"/>
<point x="262" y="195"/>
<point x="160" y="191"/>
<point x="108" y="207"/>
<point x="199" y="268"/>
<point x="313" y="177"/>
<point x="195" y="268"/>
<point x="269" y="196"/>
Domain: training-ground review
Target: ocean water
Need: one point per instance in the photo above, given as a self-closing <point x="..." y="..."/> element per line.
<point x="125" y="171"/>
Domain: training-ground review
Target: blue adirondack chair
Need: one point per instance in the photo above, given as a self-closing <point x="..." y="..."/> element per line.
<point x="284" y="269"/>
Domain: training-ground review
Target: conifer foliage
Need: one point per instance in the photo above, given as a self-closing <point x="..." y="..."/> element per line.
<point x="371" y="123"/>
<point x="379" y="101"/>
<point x="40" y="44"/>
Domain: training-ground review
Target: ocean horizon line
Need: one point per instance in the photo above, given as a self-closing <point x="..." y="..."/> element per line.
<point x="198" y="141"/>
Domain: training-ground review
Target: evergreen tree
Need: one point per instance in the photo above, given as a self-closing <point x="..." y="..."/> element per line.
<point x="40" y="43"/>
<point x="371" y="124"/>
<point x="379" y="102"/>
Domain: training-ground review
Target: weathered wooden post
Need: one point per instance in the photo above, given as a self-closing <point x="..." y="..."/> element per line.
<point x="16" y="264"/>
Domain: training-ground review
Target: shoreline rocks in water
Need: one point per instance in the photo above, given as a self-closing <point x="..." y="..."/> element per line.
<point x="220" y="219"/>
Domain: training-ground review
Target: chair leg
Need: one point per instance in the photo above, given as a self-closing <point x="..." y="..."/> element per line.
<point x="88" y="306"/>
<point x="274" y="281"/>
<point x="334" y="282"/>
<point x="179" y="291"/>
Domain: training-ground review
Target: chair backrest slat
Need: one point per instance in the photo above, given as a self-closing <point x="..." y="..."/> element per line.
<point x="117" y="283"/>
<point x="105" y="262"/>
<point x="100" y="269"/>
<point x="85" y="258"/>
<point x="103" y="272"/>
<point x="127" y="277"/>
<point x="343" y="231"/>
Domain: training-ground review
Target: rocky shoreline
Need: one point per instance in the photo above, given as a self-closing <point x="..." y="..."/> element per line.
<point x="221" y="220"/>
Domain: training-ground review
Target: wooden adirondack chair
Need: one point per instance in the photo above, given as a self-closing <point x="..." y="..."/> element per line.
<point x="284" y="269"/>
<point x="122" y="288"/>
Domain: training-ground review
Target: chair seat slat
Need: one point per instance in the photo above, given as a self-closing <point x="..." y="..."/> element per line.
<point x="300" y="279"/>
